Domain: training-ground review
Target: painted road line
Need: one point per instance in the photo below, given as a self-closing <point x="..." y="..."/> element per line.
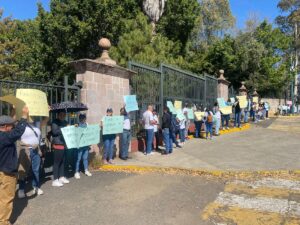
<point x="272" y="183"/>
<point x="263" y="204"/>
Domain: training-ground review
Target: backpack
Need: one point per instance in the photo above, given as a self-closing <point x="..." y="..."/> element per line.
<point x="210" y="118"/>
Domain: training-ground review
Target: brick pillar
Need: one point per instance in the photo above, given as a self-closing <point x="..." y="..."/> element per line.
<point x="104" y="84"/>
<point x="223" y="86"/>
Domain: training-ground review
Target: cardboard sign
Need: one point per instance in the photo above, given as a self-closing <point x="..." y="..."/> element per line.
<point x="35" y="100"/>
<point x="199" y="115"/>
<point x="113" y="124"/>
<point x="227" y="110"/>
<point x="178" y="105"/>
<point x="130" y="103"/>
<point x="18" y="103"/>
<point x="221" y="102"/>
<point x="171" y="107"/>
<point x="243" y="101"/>
<point x="190" y="114"/>
<point x="255" y="99"/>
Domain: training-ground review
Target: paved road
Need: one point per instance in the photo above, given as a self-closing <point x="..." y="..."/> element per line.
<point x="121" y="199"/>
<point x="270" y="145"/>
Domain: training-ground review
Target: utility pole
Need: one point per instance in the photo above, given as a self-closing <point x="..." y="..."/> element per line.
<point x="295" y="82"/>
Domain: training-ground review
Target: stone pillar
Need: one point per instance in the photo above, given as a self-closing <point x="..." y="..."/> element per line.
<point x="104" y="83"/>
<point x="243" y="89"/>
<point x="223" y="85"/>
<point x="255" y="94"/>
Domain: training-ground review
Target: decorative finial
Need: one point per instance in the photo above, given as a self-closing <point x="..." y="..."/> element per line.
<point x="105" y="44"/>
<point x="221" y="74"/>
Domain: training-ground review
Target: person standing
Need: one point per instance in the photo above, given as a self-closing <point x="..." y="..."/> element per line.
<point x="9" y="162"/>
<point x="156" y="131"/>
<point x="83" y="152"/>
<point x="247" y="110"/>
<point x="149" y="123"/>
<point x="182" y="131"/>
<point x="187" y="120"/>
<point x="175" y="128"/>
<point x="59" y="148"/>
<point x="237" y="113"/>
<point x="208" y="123"/>
<point x="167" y="134"/>
<point x="30" y="146"/>
<point x="218" y="120"/>
<point x="109" y="143"/>
<point x="267" y="106"/>
<point x="125" y="136"/>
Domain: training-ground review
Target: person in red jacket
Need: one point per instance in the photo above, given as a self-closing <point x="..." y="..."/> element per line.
<point x="9" y="162"/>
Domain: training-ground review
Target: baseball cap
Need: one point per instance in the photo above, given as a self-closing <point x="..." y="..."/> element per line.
<point x="109" y="110"/>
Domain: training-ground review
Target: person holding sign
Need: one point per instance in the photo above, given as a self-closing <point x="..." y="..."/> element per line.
<point x="208" y="123"/>
<point x="83" y="152"/>
<point x="59" y="147"/>
<point x="9" y="161"/>
<point x="149" y="123"/>
<point x="226" y="118"/>
<point x="237" y="113"/>
<point x="125" y="136"/>
<point x="109" y="142"/>
<point x="218" y="120"/>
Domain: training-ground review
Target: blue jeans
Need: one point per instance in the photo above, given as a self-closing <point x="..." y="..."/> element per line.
<point x="168" y="140"/>
<point x="246" y="113"/>
<point x="109" y="143"/>
<point x="125" y="141"/>
<point x="173" y="137"/>
<point x="35" y="165"/>
<point x="209" y="129"/>
<point x="198" y="125"/>
<point x="149" y="140"/>
<point x="182" y="135"/>
<point x="237" y="119"/>
<point x="84" y="154"/>
<point x="225" y="119"/>
<point x="218" y="124"/>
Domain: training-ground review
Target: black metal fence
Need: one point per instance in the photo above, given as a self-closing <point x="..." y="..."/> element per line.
<point x="158" y="85"/>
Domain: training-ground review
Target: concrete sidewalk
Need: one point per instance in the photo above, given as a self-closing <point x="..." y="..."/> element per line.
<point x="259" y="148"/>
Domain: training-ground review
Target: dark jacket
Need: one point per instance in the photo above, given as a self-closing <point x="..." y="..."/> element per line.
<point x="57" y="136"/>
<point x="8" y="151"/>
<point x="237" y="108"/>
<point x="166" y="120"/>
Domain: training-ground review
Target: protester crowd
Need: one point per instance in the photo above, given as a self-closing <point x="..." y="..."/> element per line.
<point x="22" y="142"/>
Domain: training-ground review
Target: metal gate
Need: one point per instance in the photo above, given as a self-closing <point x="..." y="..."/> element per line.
<point x="158" y="85"/>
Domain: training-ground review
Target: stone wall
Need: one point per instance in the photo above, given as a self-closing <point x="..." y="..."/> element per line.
<point x="274" y="103"/>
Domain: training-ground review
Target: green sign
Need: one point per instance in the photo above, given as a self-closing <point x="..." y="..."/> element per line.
<point x="130" y="103"/>
<point x="190" y="114"/>
<point x="113" y="124"/>
<point x="180" y="115"/>
<point x="171" y="107"/>
<point x="77" y="137"/>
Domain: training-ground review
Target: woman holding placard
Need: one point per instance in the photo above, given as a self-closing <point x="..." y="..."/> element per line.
<point x="109" y="142"/>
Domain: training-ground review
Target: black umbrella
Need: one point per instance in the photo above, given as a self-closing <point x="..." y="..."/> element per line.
<point x="68" y="107"/>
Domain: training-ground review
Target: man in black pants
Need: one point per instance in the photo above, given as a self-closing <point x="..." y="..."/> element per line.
<point x="59" y="146"/>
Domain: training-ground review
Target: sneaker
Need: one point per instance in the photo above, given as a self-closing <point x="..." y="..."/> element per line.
<point x="40" y="191"/>
<point x="111" y="162"/>
<point x="34" y="191"/>
<point x="223" y="128"/>
<point x="227" y="128"/>
<point x="105" y="162"/>
<point x="57" y="183"/>
<point x="88" y="173"/>
<point x="77" y="175"/>
<point x="64" y="180"/>
<point x="21" y="194"/>
<point x="151" y="153"/>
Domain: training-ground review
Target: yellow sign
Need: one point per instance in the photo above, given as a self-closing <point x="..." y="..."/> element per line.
<point x="243" y="101"/>
<point x="35" y="100"/>
<point x="255" y="99"/>
<point x="18" y="103"/>
<point x="199" y="115"/>
<point x="226" y="110"/>
<point x="178" y="104"/>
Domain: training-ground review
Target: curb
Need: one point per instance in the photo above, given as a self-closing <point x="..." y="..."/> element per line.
<point x="233" y="130"/>
<point x="222" y="174"/>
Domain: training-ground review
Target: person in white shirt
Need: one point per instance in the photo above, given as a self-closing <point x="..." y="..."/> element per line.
<point x="156" y="132"/>
<point x="29" y="145"/>
<point x="187" y="121"/>
<point x="182" y="131"/>
<point x="125" y="136"/>
<point x="218" y="121"/>
<point x="149" y="123"/>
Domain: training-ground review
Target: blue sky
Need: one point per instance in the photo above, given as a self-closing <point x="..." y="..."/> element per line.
<point x="241" y="9"/>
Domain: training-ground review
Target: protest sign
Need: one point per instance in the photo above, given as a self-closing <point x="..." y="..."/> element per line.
<point x="243" y="101"/>
<point x="289" y="102"/>
<point x="178" y="105"/>
<point x="35" y="100"/>
<point x="255" y="99"/>
<point x="130" y="103"/>
<point x="226" y="110"/>
<point x="180" y="115"/>
<point x="190" y="114"/>
<point x="171" y="107"/>
<point x="199" y="115"/>
<point x="221" y="102"/>
<point x="232" y="100"/>
<point x="77" y="137"/>
<point x="113" y="124"/>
